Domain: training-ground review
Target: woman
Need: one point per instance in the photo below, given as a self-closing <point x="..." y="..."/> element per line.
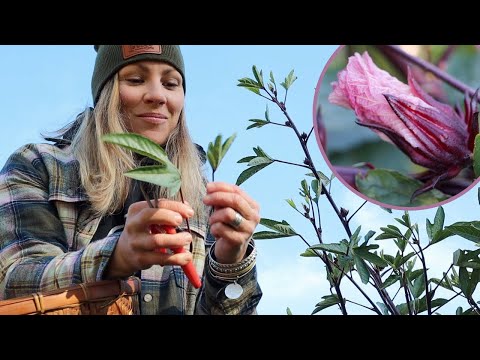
<point x="68" y="215"/>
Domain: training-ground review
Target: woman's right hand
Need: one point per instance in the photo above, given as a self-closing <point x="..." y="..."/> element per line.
<point x="136" y="246"/>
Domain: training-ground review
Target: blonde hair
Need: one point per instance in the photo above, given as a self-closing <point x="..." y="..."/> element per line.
<point x="102" y="165"/>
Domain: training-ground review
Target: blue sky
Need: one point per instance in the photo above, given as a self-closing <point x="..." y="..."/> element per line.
<point x="46" y="86"/>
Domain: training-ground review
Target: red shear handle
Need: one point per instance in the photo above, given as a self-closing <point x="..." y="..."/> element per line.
<point x="188" y="269"/>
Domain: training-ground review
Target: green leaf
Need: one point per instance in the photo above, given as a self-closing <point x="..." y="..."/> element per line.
<point x="429" y="228"/>
<point x="289" y="312"/>
<point x="345" y="264"/>
<point x="304" y="190"/>
<point x="418" y="286"/>
<point x="257" y="123"/>
<point x="355" y="235"/>
<point x="212" y="156"/>
<point x="392" y="279"/>
<point x="217" y="151"/>
<point x="436" y="230"/>
<point x="468" y="281"/>
<point x="250" y="84"/>
<point x="248" y="173"/>
<point x="226" y="145"/>
<point x="161" y="175"/>
<point x="444" y="284"/>
<point x="401" y="244"/>
<point x="336" y="248"/>
<point x="259" y="151"/>
<point x="476" y="156"/>
<point x="272" y="79"/>
<point x="282" y="227"/>
<point x="259" y="161"/>
<point x="388" y="258"/>
<point x="309" y="253"/>
<point x="362" y="269"/>
<point x="258" y="75"/>
<point x="322" y="177"/>
<point x="410" y="265"/>
<point x="406" y="218"/>
<point x="468" y="230"/>
<point x="413" y="275"/>
<point x="289" y="80"/>
<point x="399" y="260"/>
<point x="392" y="187"/>
<point x="467" y="258"/>
<point x="371" y="257"/>
<point x="316" y="187"/>
<point x="368" y="236"/>
<point x="389" y="232"/>
<point x="266" y="235"/>
<point x="246" y="159"/>
<point x="291" y="203"/>
<point x="388" y="210"/>
<point x="138" y="144"/>
<point x="267" y="114"/>
<point x="327" y="301"/>
<point x="383" y="308"/>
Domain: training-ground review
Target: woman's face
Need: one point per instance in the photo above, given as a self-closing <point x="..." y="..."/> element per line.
<point x="152" y="97"/>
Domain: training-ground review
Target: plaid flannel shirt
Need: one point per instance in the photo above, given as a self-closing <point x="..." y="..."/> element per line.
<point x="46" y="227"/>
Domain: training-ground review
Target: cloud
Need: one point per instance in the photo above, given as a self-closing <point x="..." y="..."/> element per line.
<point x="298" y="285"/>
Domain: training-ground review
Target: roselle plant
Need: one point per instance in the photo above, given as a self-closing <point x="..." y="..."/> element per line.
<point x="437" y="135"/>
<point x="432" y="134"/>
<point x="401" y="279"/>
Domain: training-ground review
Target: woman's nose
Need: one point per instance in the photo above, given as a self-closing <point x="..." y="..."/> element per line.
<point x="156" y="93"/>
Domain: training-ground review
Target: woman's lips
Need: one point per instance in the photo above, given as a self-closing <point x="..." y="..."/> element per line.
<point x="154" y="118"/>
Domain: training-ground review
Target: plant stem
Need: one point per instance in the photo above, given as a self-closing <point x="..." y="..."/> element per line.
<point x="444" y="276"/>
<point x="407" y="296"/>
<point x="473" y="304"/>
<point x="330" y="270"/>
<point x="382" y="292"/>
<point x="290" y="163"/>
<point x="374" y="306"/>
<point x="366" y="307"/>
<point x="186" y="219"/>
<point x="356" y="211"/>
<point x="453" y="297"/>
<point x="428" y="295"/>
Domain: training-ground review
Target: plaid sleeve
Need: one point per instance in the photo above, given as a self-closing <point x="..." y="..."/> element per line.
<point x="34" y="249"/>
<point x="213" y="300"/>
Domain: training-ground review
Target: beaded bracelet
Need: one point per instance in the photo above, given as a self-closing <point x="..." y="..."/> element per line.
<point x="232" y="272"/>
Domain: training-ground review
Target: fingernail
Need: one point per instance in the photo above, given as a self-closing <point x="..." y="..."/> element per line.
<point x="187" y="238"/>
<point x="178" y="218"/>
<point x="190" y="212"/>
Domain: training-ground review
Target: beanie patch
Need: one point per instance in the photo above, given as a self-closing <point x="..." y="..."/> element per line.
<point x="129" y="51"/>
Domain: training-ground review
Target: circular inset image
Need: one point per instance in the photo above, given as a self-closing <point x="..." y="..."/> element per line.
<point x="399" y="124"/>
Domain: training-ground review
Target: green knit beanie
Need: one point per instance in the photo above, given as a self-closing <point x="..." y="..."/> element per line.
<point x="111" y="58"/>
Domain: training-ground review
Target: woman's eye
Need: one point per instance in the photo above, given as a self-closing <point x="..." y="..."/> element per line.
<point x="171" y="84"/>
<point x="135" y="80"/>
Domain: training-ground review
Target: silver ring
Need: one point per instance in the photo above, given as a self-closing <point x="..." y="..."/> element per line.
<point x="237" y="221"/>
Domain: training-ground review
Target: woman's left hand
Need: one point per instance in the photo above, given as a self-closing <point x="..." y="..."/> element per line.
<point x="233" y="222"/>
